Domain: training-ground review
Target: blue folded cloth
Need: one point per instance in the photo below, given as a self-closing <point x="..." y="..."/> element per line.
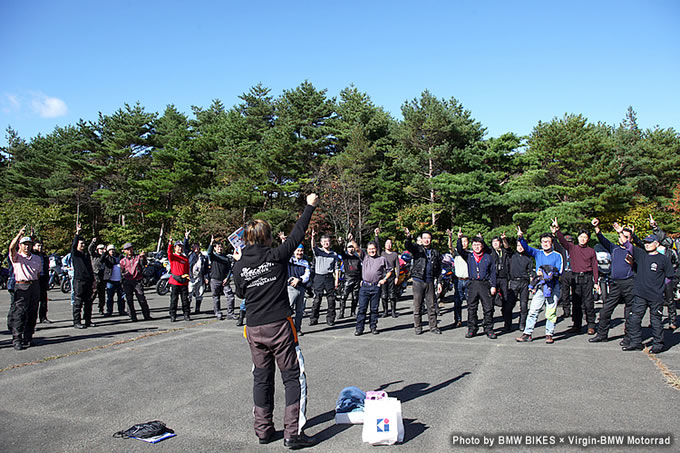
<point x="351" y="399"/>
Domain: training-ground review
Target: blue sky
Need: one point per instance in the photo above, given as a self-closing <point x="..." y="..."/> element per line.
<point x="510" y="63"/>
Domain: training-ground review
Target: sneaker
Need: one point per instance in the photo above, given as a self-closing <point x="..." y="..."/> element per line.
<point x="374" y="331"/>
<point x="313" y="322"/>
<point x="549" y="339"/>
<point x="419" y="330"/>
<point x="18" y="345"/>
<point x="491" y="336"/>
<point x="470" y="334"/>
<point x="299" y="441"/>
<point x="656" y="349"/>
<point x="597" y="339"/>
<point x="436" y="331"/>
<point x="524" y="338"/>
<point x="358" y="333"/>
<point x="219" y="316"/>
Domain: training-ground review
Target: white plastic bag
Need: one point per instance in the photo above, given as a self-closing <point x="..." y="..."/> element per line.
<point x="383" y="424"/>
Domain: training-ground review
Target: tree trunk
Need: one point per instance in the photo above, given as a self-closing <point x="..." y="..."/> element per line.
<point x="429" y="175"/>
<point x="160" y="237"/>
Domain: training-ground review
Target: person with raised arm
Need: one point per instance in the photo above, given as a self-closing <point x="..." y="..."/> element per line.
<point x="375" y="272"/>
<point x="547" y="256"/>
<point x="326" y="279"/>
<point x="653" y="271"/>
<point x="425" y="271"/>
<point x="261" y="279"/>
<point x="621" y="281"/>
<point x="23" y="310"/>
<point x="482" y="285"/>
<point x="83" y="280"/>
<point x="585" y="277"/>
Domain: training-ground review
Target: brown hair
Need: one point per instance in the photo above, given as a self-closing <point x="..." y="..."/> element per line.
<point x="257" y="232"/>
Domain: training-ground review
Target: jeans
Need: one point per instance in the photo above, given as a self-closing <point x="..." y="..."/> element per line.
<point x="368" y="295"/>
<point x="114" y="288"/>
<point x="458" y="296"/>
<point x="535" y="308"/>
<point x="217" y="289"/>
<point x="296" y="296"/>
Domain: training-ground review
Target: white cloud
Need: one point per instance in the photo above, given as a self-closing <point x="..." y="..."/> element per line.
<point x="48" y="107"/>
<point x="13" y="101"/>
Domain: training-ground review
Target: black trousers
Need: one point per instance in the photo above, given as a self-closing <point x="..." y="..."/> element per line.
<point x="132" y="288"/>
<point x="323" y="284"/>
<point x="620" y="291"/>
<point x="82" y="300"/>
<point x="518" y="289"/>
<point x="478" y="290"/>
<point x="565" y="292"/>
<point x="638" y="312"/>
<point x="582" y="299"/>
<point x="388" y="294"/>
<point x="669" y="301"/>
<point x="351" y="289"/>
<point x="42" y="306"/>
<point x="177" y="291"/>
<point x="23" y="311"/>
<point x="100" y="294"/>
<point x="499" y="300"/>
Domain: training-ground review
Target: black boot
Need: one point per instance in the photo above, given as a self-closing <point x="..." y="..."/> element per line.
<point x="386" y="311"/>
<point x="241" y="315"/>
<point x="197" y="311"/>
<point x="394" y="309"/>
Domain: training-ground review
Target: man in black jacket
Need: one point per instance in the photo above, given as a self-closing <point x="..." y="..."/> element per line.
<point x="426" y="270"/>
<point x="261" y="278"/>
<point x="83" y="278"/>
<point x="220" y="272"/>
<point x="521" y="272"/>
<point x="501" y="254"/>
<point x="352" y="265"/>
<point x="97" y="252"/>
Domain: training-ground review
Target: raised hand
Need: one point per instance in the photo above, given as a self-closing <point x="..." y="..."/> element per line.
<point x="78" y="228"/>
<point x="449" y="233"/>
<point x="377" y="231"/>
<point x="555" y="224"/>
<point x="618" y="228"/>
<point x="212" y="239"/>
<point x="186" y="234"/>
<point x="652" y="222"/>
<point x="503" y="236"/>
<point x="237" y="253"/>
<point x="460" y="232"/>
<point x="312" y="199"/>
<point x="519" y="232"/>
<point x="407" y="232"/>
<point x="595" y="222"/>
<point x="282" y="236"/>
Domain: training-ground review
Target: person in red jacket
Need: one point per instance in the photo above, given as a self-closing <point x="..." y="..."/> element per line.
<point x="179" y="279"/>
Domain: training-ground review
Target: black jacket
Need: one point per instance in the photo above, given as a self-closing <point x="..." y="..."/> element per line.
<point x="419" y="259"/>
<point x="220" y="265"/>
<point x="82" y="265"/>
<point x="261" y="276"/>
<point x="502" y="262"/>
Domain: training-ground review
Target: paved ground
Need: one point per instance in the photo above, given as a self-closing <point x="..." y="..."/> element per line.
<point x="77" y="387"/>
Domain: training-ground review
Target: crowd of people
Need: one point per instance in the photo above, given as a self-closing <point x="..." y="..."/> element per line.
<point x="505" y="274"/>
<point x="273" y="283"/>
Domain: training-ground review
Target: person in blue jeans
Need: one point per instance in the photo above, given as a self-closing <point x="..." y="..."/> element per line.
<point x="375" y="271"/>
<point x="546" y="256"/>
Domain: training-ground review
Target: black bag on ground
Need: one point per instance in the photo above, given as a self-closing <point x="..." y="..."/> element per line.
<point x="144" y="430"/>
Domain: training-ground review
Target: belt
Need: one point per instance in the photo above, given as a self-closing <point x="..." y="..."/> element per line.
<point x="463" y="278"/>
<point x="26" y="282"/>
<point x="365" y="283"/>
<point x="581" y="274"/>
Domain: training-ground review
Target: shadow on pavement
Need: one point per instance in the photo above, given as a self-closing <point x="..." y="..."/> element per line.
<point x="413" y="391"/>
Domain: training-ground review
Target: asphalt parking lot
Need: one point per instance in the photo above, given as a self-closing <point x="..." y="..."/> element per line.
<point x="75" y="388"/>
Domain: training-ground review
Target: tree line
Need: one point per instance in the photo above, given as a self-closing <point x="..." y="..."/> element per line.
<point x="140" y="176"/>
